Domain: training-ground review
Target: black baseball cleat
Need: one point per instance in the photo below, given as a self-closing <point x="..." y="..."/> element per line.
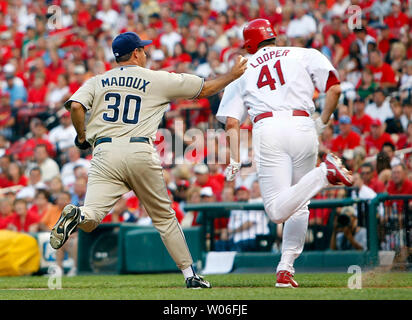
<point x="197" y="282"/>
<point x="67" y="223"/>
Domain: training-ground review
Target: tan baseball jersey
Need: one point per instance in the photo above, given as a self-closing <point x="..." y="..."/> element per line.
<point x="129" y="101"/>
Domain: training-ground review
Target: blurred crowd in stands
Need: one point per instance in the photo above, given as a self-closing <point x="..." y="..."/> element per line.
<point x="49" y="48"/>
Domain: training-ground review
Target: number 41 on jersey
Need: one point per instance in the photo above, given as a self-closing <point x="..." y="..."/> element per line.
<point x="266" y="79"/>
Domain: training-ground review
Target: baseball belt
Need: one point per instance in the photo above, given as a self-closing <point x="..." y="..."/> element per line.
<point x="296" y="113"/>
<point x="132" y="139"/>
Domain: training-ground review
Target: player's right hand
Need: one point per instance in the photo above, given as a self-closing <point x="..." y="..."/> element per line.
<point x="232" y="169"/>
<point x="84" y="145"/>
<point x="239" y="67"/>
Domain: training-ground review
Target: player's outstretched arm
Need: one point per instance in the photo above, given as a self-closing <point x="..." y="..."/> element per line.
<point x="212" y="87"/>
<point x="331" y="102"/>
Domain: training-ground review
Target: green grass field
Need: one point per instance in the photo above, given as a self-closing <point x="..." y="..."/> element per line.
<point x="387" y="286"/>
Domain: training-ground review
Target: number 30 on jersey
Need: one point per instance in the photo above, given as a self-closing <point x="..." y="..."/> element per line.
<point x="113" y="115"/>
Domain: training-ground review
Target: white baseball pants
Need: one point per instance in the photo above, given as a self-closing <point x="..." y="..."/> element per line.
<point x="285" y="150"/>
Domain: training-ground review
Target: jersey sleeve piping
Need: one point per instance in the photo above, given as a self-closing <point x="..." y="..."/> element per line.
<point x="67" y="104"/>
<point x="200" y="90"/>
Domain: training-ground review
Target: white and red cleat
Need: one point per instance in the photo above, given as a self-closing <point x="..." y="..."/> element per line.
<point x="284" y="279"/>
<point x="336" y="172"/>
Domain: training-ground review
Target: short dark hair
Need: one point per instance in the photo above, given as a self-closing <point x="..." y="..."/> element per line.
<point x="43" y="192"/>
<point x="126" y="56"/>
<point x="35" y="169"/>
<point x="20" y="200"/>
<point x="267" y="42"/>
<point x="367" y="165"/>
<point x="389" y="144"/>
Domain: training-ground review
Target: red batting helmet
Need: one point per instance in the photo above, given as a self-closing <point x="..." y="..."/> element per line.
<point x="255" y="32"/>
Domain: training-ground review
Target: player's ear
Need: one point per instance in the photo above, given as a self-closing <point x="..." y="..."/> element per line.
<point x="135" y="53"/>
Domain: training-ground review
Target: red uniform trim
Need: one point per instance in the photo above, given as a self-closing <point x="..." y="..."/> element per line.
<point x="332" y="80"/>
<point x="296" y="113"/>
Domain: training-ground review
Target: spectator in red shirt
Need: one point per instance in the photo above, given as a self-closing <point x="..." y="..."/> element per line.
<point x="399" y="183"/>
<point x="5" y="161"/>
<point x="216" y="175"/>
<point x="179" y="56"/>
<point x="22" y="220"/>
<point x="6" y="214"/>
<point x="203" y="178"/>
<point x="55" y="68"/>
<point x="334" y="27"/>
<point x="377" y="137"/>
<point x="382" y="72"/>
<point x="94" y="24"/>
<point x="155" y="21"/>
<point x="37" y="94"/>
<point x="25" y="151"/>
<point x="15" y="176"/>
<point x="347" y="139"/>
<point x="360" y="119"/>
<point x="385" y="39"/>
<point x="370" y="178"/>
<point x="397" y="19"/>
<point x="79" y="78"/>
<point x="405" y="139"/>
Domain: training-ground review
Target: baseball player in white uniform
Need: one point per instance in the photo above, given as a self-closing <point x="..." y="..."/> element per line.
<point x="126" y="105"/>
<point x="276" y="91"/>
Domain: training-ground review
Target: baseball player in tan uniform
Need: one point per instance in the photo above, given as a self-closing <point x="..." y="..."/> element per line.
<point x="125" y="107"/>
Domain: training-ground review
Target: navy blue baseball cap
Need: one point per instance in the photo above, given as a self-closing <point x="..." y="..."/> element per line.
<point x="127" y="42"/>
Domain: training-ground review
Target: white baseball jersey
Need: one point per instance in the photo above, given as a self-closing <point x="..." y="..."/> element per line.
<point x="277" y="79"/>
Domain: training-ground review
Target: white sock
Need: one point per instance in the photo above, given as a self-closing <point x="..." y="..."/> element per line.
<point x="188" y="272"/>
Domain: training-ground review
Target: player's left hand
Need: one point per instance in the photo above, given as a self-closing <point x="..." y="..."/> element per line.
<point x="84" y="145"/>
<point x="320" y="126"/>
<point x="232" y="169"/>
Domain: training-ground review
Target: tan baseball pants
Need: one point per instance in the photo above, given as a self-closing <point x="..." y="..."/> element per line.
<point x="120" y="166"/>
